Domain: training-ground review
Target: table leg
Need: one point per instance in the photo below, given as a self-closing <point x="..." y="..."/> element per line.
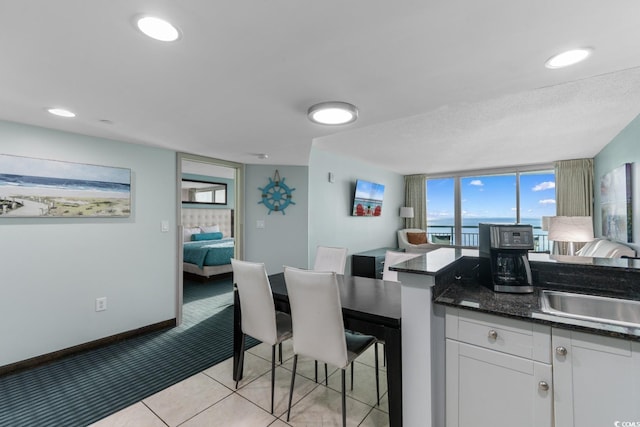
<point x="393" y="352"/>
<point x="238" y="357"/>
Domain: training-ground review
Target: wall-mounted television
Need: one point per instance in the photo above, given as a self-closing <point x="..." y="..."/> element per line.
<point x="367" y="199"/>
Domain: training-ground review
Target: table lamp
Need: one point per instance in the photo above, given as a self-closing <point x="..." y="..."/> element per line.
<point x="406" y="212"/>
<point x="571" y="229"/>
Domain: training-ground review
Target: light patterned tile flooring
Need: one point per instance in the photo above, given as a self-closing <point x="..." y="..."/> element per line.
<point x="210" y="399"/>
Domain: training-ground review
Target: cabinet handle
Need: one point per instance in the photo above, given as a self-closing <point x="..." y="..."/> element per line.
<point x="493" y="334"/>
<point x="561" y="351"/>
<point x="542" y="385"/>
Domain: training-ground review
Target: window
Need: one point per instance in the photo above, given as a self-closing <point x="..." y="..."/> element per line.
<point x="456" y="205"/>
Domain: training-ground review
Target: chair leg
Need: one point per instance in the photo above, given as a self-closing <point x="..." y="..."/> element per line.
<point x="293" y="380"/>
<point x="352" y="375"/>
<point x="344" y="400"/>
<point x="326" y="376"/>
<point x="377" y="378"/>
<point x="280" y="352"/>
<point x="241" y="361"/>
<point x="273" y="373"/>
<point x="316" y="369"/>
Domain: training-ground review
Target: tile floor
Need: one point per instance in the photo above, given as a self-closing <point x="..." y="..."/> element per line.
<point x="209" y="398"/>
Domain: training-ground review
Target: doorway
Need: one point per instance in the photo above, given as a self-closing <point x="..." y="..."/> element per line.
<point x="193" y="168"/>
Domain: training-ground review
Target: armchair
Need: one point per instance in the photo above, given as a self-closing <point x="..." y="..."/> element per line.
<point x="403" y="241"/>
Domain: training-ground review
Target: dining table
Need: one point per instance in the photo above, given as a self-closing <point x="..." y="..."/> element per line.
<point x="369" y="306"/>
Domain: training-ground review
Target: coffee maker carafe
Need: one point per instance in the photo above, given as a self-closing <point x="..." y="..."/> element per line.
<point x="504" y="260"/>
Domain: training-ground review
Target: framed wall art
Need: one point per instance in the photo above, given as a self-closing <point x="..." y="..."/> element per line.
<point x="31" y="187"/>
<point x="616" y="204"/>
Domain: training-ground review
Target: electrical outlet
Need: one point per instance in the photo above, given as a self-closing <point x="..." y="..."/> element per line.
<point x="101" y="304"/>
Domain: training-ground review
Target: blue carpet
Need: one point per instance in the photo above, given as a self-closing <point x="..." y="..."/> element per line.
<point x="86" y="387"/>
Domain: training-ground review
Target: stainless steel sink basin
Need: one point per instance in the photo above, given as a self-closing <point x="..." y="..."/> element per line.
<point x="590" y="307"/>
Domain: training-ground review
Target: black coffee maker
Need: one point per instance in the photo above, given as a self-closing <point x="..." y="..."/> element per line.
<point x="504" y="260"/>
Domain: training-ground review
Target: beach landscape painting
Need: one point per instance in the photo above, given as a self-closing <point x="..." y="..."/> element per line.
<point x="31" y="187"/>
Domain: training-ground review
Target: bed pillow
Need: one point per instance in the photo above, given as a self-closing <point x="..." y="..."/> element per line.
<point x="206" y="236"/>
<point x="210" y="229"/>
<point x="188" y="232"/>
<point x="417" y="238"/>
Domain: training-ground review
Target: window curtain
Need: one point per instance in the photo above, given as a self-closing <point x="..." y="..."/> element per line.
<point x="574" y="192"/>
<point x="415" y="196"/>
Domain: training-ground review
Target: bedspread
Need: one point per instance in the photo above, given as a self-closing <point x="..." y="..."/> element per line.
<point x="209" y="252"/>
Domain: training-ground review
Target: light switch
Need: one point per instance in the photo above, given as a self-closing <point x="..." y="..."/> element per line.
<point x="164" y="226"/>
<point x="260" y="223"/>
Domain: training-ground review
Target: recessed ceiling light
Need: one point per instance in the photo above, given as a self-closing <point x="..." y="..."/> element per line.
<point x="157" y="28"/>
<point x="333" y="113"/>
<point x="61" y="112"/>
<point x="567" y="58"/>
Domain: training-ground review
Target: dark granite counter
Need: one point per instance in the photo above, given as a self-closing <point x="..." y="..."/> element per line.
<point x="473" y="296"/>
<point x="457" y="285"/>
<point x="432" y="263"/>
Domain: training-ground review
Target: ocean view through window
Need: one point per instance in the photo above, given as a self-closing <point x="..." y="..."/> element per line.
<point x="456" y="205"/>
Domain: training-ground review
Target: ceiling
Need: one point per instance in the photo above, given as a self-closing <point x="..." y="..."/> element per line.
<point x="441" y="85"/>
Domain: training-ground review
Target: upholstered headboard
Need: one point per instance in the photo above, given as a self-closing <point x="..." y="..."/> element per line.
<point x="208" y="217"/>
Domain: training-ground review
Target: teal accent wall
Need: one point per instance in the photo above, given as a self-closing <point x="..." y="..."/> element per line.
<point x="231" y="191"/>
<point x="284" y="238"/>
<point x="322" y="213"/>
<point x="330" y="204"/>
<point x="53" y="269"/>
<point x="624" y="148"/>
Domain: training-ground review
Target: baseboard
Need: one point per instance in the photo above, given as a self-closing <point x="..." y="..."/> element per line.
<point x="56" y="355"/>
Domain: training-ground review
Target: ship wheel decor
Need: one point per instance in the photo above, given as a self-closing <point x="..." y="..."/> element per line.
<point x="276" y="195"/>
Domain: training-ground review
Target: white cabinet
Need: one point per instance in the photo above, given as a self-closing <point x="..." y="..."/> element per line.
<point x="498" y="371"/>
<point x="597" y="380"/>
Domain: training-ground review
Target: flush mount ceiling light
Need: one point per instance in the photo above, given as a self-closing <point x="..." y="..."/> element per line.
<point x="333" y="113"/>
<point x="61" y="112"/>
<point x="567" y="58"/>
<point x="157" y="28"/>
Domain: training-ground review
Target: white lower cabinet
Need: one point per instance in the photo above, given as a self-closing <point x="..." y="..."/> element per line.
<point x="498" y="371"/>
<point x="597" y="380"/>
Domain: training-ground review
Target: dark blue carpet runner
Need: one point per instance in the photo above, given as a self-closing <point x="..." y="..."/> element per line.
<point x="84" y="388"/>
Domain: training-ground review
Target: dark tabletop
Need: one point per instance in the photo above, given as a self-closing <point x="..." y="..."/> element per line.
<point x="368" y="299"/>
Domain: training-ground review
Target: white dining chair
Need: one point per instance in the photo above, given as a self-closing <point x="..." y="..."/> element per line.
<point x="330" y="259"/>
<point x="259" y="318"/>
<point x="318" y="326"/>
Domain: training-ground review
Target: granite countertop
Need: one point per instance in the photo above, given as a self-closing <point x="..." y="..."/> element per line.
<point x="431" y="263"/>
<point x="470" y="295"/>
<point x="457" y="287"/>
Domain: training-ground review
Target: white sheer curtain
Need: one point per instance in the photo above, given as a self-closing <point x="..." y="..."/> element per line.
<point x="415" y="196"/>
<point x="574" y="192"/>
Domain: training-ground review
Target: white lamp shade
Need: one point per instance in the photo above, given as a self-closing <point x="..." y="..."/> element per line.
<point x="571" y="228"/>
<point x="406" y="212"/>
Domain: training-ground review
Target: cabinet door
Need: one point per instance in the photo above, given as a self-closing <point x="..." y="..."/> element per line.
<point x="597" y="379"/>
<point x="490" y="388"/>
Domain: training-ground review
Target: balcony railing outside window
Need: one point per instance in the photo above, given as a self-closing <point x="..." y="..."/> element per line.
<point x="445" y="235"/>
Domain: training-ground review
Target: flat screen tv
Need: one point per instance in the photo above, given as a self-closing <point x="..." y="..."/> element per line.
<point x="367" y="200"/>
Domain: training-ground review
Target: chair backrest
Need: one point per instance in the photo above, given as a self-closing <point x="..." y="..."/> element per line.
<point x="330" y="259"/>
<point x="316" y="315"/>
<point x="392" y="258"/>
<point x="403" y="243"/>
<point x="256" y="300"/>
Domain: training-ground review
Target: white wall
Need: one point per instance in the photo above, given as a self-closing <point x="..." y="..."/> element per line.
<point x="330" y="204"/>
<point x="624" y="148"/>
<point x="53" y="269"/>
<point x="284" y="238"/>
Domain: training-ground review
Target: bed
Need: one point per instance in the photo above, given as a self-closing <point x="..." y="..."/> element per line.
<point x="208" y="243"/>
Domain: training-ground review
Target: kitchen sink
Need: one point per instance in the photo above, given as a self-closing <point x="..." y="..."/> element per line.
<point x="591" y="307"/>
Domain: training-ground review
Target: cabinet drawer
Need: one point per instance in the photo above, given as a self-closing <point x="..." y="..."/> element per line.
<point x="511" y="336"/>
